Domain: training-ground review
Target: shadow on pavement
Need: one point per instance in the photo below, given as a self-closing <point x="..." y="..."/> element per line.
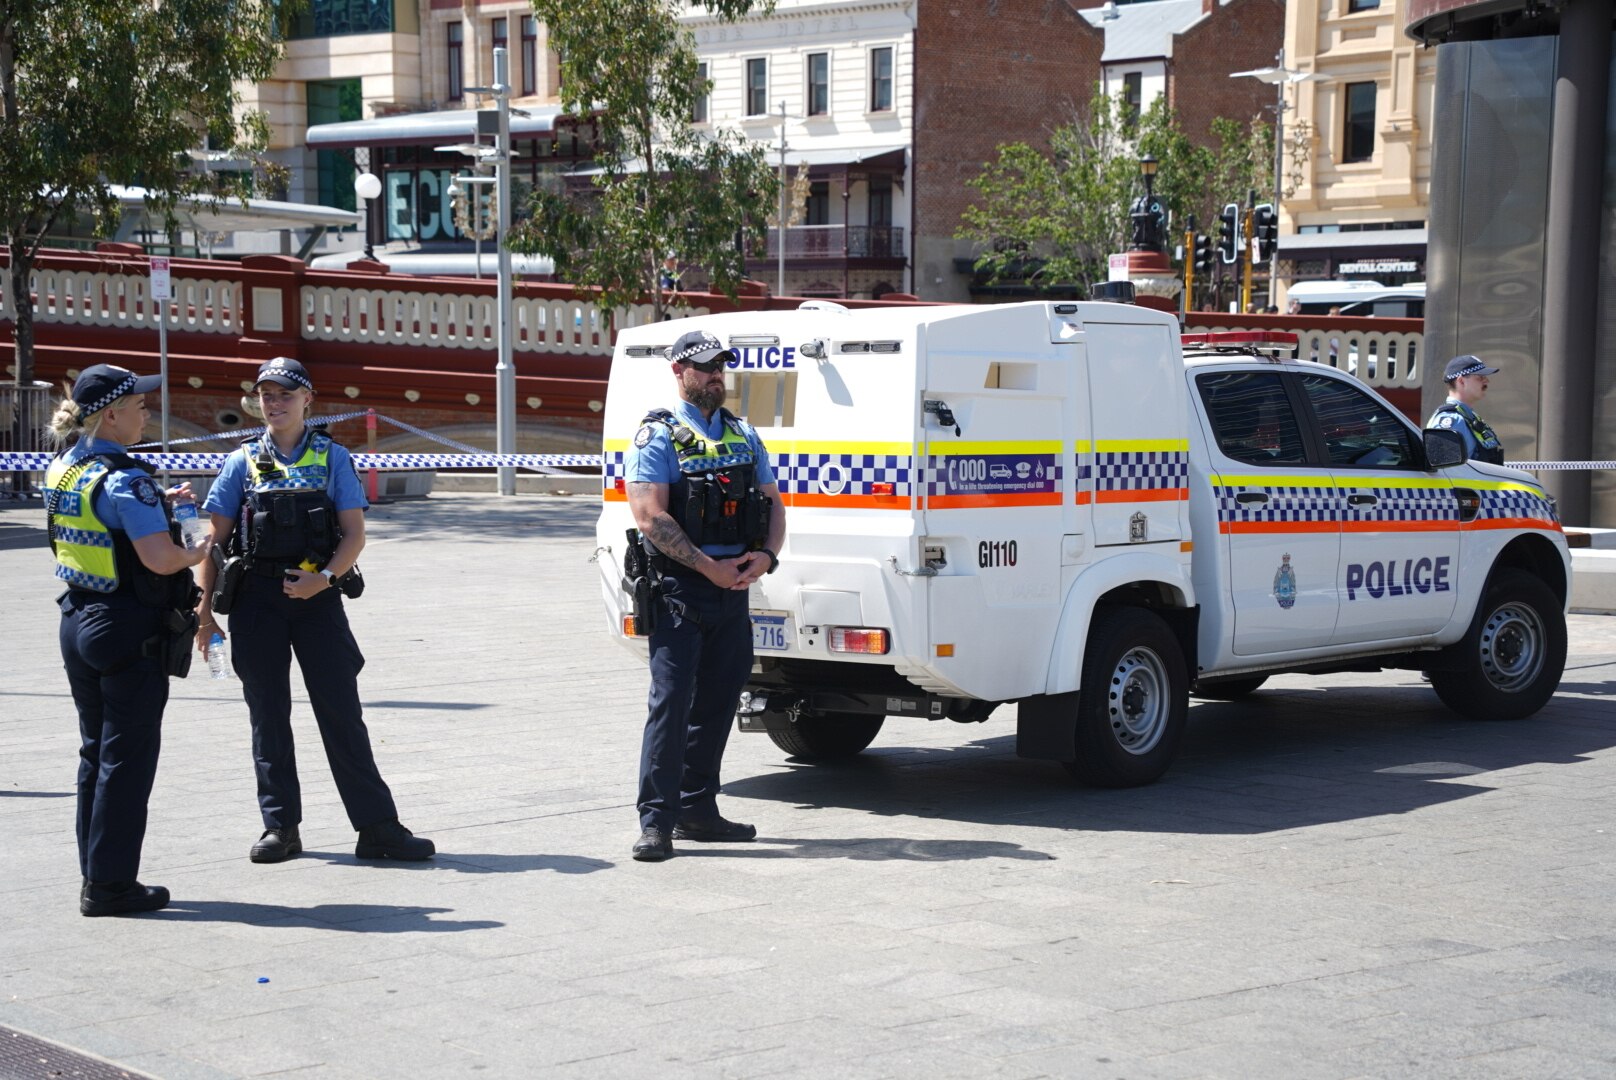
<point x="36" y="794"/>
<point x="482" y="521"/>
<point x="1280" y="759"/>
<point x="869" y="849"/>
<point x="348" y="918"/>
<point x="464" y="863"/>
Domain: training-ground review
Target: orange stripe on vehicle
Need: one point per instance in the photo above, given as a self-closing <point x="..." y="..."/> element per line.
<point x="1279" y="526"/>
<point x="848" y="502"/>
<point x="1515" y="523"/>
<point x="1085" y="497"/>
<point x="1143" y="495"/>
<point x="613" y="495"/>
<point x="964" y="502"/>
<point x="1431" y="525"/>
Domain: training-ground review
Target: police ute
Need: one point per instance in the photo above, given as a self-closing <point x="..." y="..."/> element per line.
<point x="1080" y="510"/>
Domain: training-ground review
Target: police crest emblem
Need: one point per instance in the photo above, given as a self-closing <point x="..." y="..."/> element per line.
<point x="1285" y="584"/>
<point x="643" y="436"/>
<point x="1138" y="529"/>
<point x="145" y="489"/>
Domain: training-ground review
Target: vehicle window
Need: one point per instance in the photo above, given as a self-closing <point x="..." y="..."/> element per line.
<point x="1359" y="430"/>
<point x="1252" y="418"/>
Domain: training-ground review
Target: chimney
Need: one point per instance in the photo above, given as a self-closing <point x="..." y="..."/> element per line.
<point x="1207" y="6"/>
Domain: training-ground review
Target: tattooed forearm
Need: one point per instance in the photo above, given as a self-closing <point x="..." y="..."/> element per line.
<point x="667" y="537"/>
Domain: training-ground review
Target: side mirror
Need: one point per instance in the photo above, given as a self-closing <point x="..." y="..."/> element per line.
<point x="1444" y="448"/>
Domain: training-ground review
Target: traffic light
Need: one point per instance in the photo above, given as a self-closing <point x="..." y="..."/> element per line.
<point x="1265" y="223"/>
<point x="1202" y="254"/>
<point x="1229" y="233"/>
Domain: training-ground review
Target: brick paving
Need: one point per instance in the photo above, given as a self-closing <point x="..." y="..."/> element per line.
<point x="1338" y="878"/>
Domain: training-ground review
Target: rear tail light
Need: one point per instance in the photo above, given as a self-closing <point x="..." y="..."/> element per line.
<point x="858" y="639"/>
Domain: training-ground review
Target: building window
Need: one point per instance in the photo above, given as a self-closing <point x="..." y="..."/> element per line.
<point x="880" y="202"/>
<point x="501" y="38"/>
<point x="1362" y="5"/>
<point x="1133" y="94"/>
<point x="1359" y="142"/>
<point x="530" y="56"/>
<point x="334" y="18"/>
<point x="457" y="40"/>
<point x="881" y="79"/>
<point x="819" y="84"/>
<point x="698" y="106"/>
<point x="817" y="211"/>
<point x="757" y="86"/>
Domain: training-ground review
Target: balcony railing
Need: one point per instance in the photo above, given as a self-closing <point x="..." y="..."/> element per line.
<point x="838" y="242"/>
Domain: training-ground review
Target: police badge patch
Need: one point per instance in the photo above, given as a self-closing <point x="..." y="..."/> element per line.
<point x="643" y="436"/>
<point x="145" y="489"/>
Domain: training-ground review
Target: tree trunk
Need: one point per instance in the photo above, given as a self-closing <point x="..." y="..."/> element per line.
<point x="22" y="315"/>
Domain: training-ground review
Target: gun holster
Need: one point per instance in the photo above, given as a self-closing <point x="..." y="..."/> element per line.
<point x="173" y="646"/>
<point x="228" y="572"/>
<point x="643" y="584"/>
<point x="351" y="584"/>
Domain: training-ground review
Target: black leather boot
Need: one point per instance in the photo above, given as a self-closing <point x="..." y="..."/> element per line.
<point x="277" y="845"/>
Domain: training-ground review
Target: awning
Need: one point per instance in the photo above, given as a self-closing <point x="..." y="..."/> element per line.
<point x="1302" y="243"/>
<point x="440" y="263"/>
<point x="210" y="213"/>
<point x="427" y="129"/>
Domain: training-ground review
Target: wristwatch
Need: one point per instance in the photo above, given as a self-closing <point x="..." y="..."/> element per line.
<point x="774" y="560"/>
<point x="330" y="578"/>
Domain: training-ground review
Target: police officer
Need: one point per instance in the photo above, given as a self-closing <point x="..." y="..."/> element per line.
<point x="127" y="605"/>
<point x="1466" y="377"/>
<point x="290" y="504"/>
<point x="708" y="510"/>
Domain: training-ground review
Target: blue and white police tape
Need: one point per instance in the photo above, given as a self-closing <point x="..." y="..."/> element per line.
<point x="12" y="461"/>
<point x="248" y="433"/>
<point x="1561" y="466"/>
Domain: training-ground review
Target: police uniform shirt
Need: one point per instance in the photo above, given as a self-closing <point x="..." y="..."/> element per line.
<point x="126" y="500"/>
<point x="342" y="481"/>
<point x="1447" y="419"/>
<point x="657" y="463"/>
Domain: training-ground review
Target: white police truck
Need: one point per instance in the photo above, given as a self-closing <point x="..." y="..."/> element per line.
<point x="1073" y="508"/>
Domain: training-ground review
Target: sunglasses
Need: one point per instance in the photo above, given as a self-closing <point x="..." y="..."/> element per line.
<point x="706" y="366"/>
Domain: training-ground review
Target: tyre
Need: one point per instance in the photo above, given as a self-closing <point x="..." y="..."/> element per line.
<point x="1512" y="658"/>
<point x="829" y="737"/>
<point x="1228" y="689"/>
<point x="1132" y="702"/>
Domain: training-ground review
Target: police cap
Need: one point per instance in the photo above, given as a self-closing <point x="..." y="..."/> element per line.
<point x="699" y="347"/>
<point x="285" y="371"/>
<point x="99" y="385"/>
<point x="1466" y="365"/>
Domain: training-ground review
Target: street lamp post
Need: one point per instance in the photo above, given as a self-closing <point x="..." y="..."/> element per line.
<point x="504" y="370"/>
<point x="368" y="187"/>
<point x="1147" y="212"/>
<point x="1279" y="76"/>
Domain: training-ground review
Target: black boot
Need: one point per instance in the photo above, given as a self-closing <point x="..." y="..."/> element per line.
<point x="120" y="898"/>
<point x="277" y="845"/>
<point x="390" y="840"/>
<point x="654" y="845"/>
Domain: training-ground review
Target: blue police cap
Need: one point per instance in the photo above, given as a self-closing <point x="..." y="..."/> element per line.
<point x="698" y="347"/>
<point x="99" y="385"/>
<point x="1466" y="365"/>
<point x="285" y="371"/>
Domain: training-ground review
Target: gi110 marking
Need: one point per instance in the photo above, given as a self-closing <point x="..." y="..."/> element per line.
<point x="991" y="553"/>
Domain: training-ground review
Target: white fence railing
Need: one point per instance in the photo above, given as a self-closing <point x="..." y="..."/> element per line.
<point x="77" y="297"/>
<point x="1383" y="359"/>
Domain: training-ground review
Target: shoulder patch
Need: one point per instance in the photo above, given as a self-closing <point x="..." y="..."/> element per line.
<point x="644" y="435"/>
<point x="1445" y="420"/>
<point x="145" y="489"/>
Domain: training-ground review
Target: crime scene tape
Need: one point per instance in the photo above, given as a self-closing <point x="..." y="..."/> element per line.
<point x="1561" y="466"/>
<point x="13" y="461"/>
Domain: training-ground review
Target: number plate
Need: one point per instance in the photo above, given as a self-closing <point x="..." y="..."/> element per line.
<point x="771" y="631"/>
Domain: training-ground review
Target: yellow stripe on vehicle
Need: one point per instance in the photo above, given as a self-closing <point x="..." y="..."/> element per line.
<point x="1137" y="446"/>
<point x="821" y="446"/>
<point x="952" y="448"/>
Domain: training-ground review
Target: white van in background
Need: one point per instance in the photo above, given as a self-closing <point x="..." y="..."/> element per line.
<point x="1360" y="298"/>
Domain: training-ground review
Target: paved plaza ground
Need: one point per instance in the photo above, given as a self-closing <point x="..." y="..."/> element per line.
<point x="1339" y="878"/>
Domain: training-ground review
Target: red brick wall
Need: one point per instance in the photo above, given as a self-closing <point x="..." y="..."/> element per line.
<point x="1240" y="36"/>
<point x="986" y="72"/>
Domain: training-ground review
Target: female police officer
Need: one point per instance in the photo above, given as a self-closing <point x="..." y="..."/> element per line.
<point x="292" y="503"/>
<point x="127" y="605"/>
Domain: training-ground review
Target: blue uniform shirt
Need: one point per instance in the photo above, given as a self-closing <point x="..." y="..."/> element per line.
<point x="126" y="500"/>
<point x="657" y="463"/>
<point x="229" y="491"/>
<point x="1446" y="418"/>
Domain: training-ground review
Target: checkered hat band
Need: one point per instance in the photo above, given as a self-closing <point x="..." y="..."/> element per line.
<point x="110" y="396"/>
<point x="1470" y="369"/>
<point x="709" y="345"/>
<point x="282" y="373"/>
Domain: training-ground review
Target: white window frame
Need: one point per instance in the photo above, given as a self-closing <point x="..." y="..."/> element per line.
<point x="746" y="87"/>
<point x="704" y="72"/>
<point x="808" y="85"/>
<point x="869" y="79"/>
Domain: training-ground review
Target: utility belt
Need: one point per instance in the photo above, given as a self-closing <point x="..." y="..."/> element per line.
<point x="231" y="570"/>
<point x="175" y="644"/>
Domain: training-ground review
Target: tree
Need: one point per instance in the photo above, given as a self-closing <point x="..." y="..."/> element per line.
<point x="1053" y="216"/>
<point x="102" y="92"/>
<point x="630" y="70"/>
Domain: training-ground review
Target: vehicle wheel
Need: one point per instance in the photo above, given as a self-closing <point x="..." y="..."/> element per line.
<point x="1513" y="656"/>
<point x="828" y="737"/>
<point x="1228" y="689"/>
<point x="1133" y="700"/>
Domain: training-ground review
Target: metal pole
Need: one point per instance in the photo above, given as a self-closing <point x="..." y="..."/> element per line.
<point x="1246" y="243"/>
<point x="162" y="369"/>
<point x="504" y="370"/>
<point x="780" y="230"/>
<point x="1279" y="178"/>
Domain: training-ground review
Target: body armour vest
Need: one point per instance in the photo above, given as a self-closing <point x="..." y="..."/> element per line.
<point x="716" y="499"/>
<point x="290" y="517"/>
<point x="1488" y="448"/>
<point x="89" y="554"/>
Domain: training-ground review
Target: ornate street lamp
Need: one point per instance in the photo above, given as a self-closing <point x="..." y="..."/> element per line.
<point x="1148" y="215"/>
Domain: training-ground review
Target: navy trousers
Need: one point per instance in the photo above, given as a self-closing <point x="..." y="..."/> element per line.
<point x="699" y="664"/>
<point x="120" y="695"/>
<point x="267" y="628"/>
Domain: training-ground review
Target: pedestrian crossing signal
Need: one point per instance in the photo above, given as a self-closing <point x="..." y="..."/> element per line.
<point x="1229" y="233"/>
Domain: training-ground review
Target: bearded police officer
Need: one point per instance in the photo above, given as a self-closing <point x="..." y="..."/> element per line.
<point x="709" y="514"/>
<point x="1466" y="377"/>
<point x="289" y="507"/>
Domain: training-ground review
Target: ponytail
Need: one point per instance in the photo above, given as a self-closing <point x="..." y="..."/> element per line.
<point x="68" y="424"/>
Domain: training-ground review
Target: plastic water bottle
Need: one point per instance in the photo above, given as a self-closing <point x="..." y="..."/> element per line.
<point x="218" y="662"/>
<point x="192" y="530"/>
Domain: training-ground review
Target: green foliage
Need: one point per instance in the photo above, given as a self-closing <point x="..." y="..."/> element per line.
<point x="663" y="187"/>
<point x="101" y="92"/>
<point x="1053" y="216"/>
